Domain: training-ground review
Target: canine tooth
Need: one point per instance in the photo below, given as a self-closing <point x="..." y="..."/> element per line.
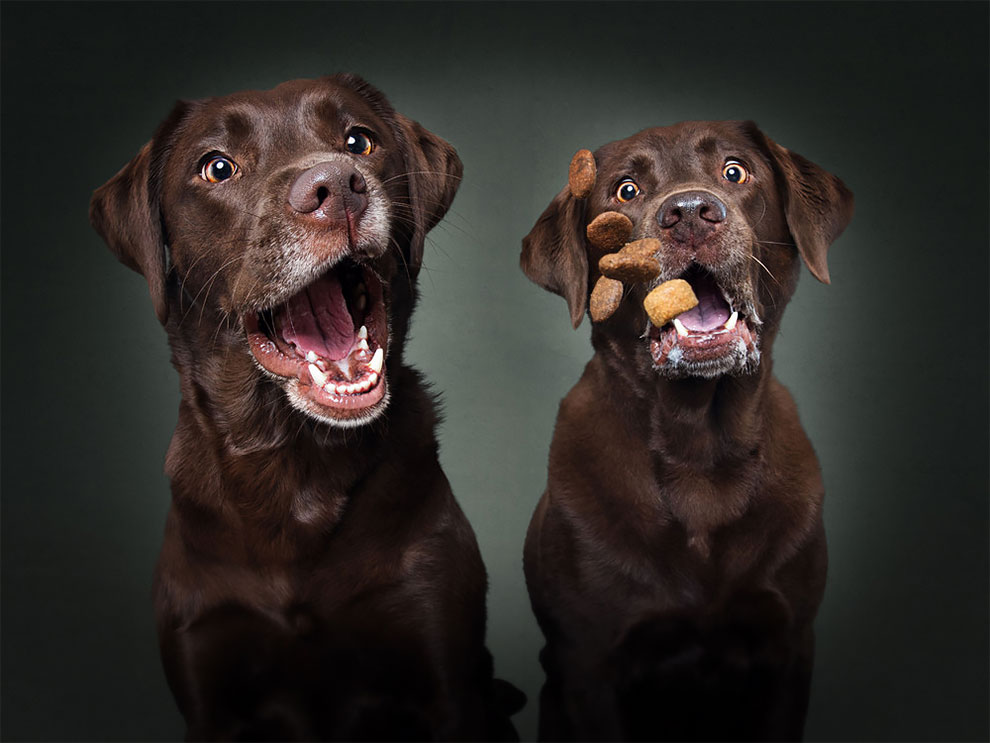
<point x="319" y="377"/>
<point x="363" y="332"/>
<point x="311" y="357"/>
<point x="372" y="380"/>
<point x="377" y="360"/>
<point x="679" y="326"/>
<point x="731" y="322"/>
<point x="363" y="345"/>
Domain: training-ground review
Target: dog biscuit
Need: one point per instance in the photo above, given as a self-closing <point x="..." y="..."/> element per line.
<point x="628" y="266"/>
<point x="669" y="300"/>
<point x="605" y="298"/>
<point x="609" y="231"/>
<point x="648" y="246"/>
<point x="582" y="173"/>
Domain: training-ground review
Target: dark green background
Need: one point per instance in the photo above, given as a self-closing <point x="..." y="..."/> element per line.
<point x="888" y="365"/>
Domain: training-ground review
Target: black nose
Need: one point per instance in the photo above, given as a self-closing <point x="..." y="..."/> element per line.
<point x="695" y="209"/>
<point x="329" y="191"/>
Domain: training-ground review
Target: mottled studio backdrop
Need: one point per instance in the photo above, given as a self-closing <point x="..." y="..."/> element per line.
<point x="889" y="365"/>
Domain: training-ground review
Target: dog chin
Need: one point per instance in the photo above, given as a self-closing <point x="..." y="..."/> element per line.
<point x="708" y="355"/>
<point x="335" y="417"/>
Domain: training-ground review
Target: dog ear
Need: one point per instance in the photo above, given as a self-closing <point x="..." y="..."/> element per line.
<point x="818" y="206"/>
<point x="125" y="211"/>
<point x="434" y="174"/>
<point x="554" y="254"/>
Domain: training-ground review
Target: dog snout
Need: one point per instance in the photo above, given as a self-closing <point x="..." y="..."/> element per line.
<point x="690" y="216"/>
<point x="329" y="192"/>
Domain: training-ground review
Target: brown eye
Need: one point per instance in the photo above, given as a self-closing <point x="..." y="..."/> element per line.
<point x="218" y="168"/>
<point x="359" y="143"/>
<point x="627" y="191"/>
<point x="735" y="172"/>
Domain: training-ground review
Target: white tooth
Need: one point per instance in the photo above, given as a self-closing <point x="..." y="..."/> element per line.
<point x="679" y="326"/>
<point x="372" y="380"/>
<point x="311" y="357"/>
<point x="363" y="332"/>
<point x="377" y="360"/>
<point x="319" y="377"/>
<point x="731" y="322"/>
<point x="330" y="387"/>
<point x="363" y="345"/>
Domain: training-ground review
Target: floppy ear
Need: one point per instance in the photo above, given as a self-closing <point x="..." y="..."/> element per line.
<point x="554" y="254"/>
<point x="818" y="206"/>
<point x="434" y="175"/>
<point x="125" y="211"/>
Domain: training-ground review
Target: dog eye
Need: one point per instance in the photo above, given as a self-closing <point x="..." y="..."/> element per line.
<point x="627" y="191"/>
<point x="359" y="143"/>
<point x="218" y="168"/>
<point x="735" y="172"/>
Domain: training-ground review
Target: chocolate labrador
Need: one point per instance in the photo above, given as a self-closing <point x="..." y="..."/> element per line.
<point x="317" y="579"/>
<point x="677" y="558"/>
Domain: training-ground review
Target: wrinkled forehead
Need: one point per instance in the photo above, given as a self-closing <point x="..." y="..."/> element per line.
<point x="678" y="150"/>
<point x="288" y="117"/>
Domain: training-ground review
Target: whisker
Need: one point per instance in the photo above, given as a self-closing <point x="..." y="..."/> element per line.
<point x="765" y="268"/>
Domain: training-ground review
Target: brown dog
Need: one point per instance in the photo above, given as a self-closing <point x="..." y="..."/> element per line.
<point x="317" y="580"/>
<point x="677" y="558"/>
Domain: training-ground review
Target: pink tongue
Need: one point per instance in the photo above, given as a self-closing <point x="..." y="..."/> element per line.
<point x="316" y="319"/>
<point x="712" y="310"/>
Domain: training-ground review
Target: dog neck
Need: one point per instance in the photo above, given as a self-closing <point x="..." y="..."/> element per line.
<point x="705" y="439"/>
<point x="242" y="453"/>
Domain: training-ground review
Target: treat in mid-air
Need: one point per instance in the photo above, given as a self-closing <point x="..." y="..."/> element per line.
<point x="605" y="298"/>
<point x="669" y="300"/>
<point x="629" y="267"/>
<point x="609" y="231"/>
<point x="648" y="246"/>
<point x="582" y="173"/>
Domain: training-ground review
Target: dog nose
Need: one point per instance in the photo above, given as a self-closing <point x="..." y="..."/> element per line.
<point x="693" y="209"/>
<point x="329" y="191"/>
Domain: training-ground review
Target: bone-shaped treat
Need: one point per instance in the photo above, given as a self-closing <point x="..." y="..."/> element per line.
<point x="582" y="173"/>
<point x="630" y="267"/>
<point x="648" y="246"/>
<point x="669" y="300"/>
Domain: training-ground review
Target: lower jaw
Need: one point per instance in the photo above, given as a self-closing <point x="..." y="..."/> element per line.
<point x="323" y="402"/>
<point x="706" y="355"/>
<point x="338" y="410"/>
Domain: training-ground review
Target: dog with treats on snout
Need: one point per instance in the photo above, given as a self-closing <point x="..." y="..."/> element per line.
<point x="317" y="580"/>
<point x="677" y="558"/>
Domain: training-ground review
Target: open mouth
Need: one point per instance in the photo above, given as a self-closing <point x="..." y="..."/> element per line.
<point x="710" y="339"/>
<point x="329" y="340"/>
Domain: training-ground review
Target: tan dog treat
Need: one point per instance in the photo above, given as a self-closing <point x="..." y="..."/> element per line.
<point x="582" y="173"/>
<point x="669" y="300"/>
<point x="629" y="267"/>
<point x="605" y="298"/>
<point x="648" y="247"/>
<point x="609" y="231"/>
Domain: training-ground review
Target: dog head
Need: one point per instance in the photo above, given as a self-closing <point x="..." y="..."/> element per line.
<point x="292" y="223"/>
<point x="732" y="212"/>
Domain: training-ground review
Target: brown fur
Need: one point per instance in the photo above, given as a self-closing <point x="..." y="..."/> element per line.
<point x="315" y="582"/>
<point x="677" y="558"/>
